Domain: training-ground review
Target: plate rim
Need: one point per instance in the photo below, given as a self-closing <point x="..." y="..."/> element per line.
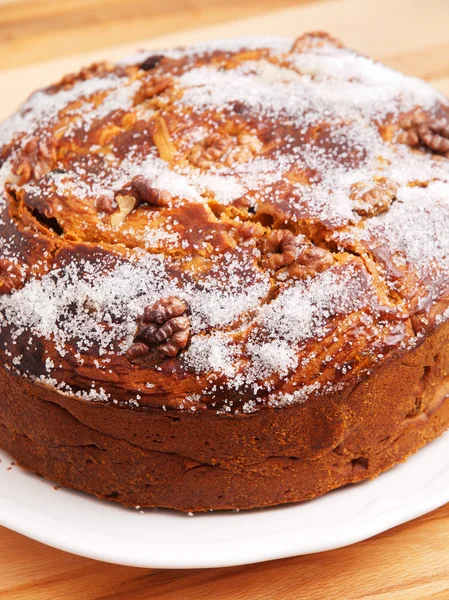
<point x="377" y="515"/>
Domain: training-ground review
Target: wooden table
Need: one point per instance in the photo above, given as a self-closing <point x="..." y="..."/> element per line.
<point x="407" y="563"/>
<point x="410" y="562"/>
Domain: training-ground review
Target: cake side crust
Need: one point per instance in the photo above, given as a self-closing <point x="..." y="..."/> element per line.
<point x="193" y="462"/>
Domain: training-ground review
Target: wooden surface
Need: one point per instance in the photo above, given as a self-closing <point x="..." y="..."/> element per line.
<point x="408" y="563"/>
<point x="36" y="30"/>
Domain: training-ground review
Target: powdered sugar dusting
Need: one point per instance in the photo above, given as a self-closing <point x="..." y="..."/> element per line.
<point x="41" y="108"/>
<point x="73" y="305"/>
<point x="311" y="88"/>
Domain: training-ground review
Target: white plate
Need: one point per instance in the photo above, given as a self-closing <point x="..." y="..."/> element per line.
<point x="83" y="525"/>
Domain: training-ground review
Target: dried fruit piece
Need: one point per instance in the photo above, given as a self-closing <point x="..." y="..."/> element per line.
<point x="150" y="62"/>
<point x="164" y="328"/>
<point x="143" y="190"/>
<point x="280" y="248"/>
<point x="129" y="119"/>
<point x="373" y="198"/>
<point x="126" y="205"/>
<point x="302" y="175"/>
<point x="435" y="135"/>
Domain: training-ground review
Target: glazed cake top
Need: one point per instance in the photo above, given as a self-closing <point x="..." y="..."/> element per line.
<point x="279" y="209"/>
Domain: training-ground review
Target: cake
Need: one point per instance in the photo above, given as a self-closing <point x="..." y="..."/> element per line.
<point x="224" y="274"/>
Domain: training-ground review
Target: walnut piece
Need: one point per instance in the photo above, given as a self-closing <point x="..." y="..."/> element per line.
<point x="144" y="192"/>
<point x="373" y="198"/>
<point x="409" y="124"/>
<point x="165" y="309"/>
<point x="137" y="350"/>
<point x="224" y="149"/>
<point x="248" y="146"/>
<point x="126" y="205"/>
<point x="420" y="128"/>
<point x="251" y="229"/>
<point x="138" y="191"/>
<point x="164" y="327"/>
<point x="38" y="158"/>
<point x="104" y="204"/>
<point x="312" y="260"/>
<point x="210" y="150"/>
<point x="155" y="86"/>
<point x="280" y="248"/>
<point x="435" y="135"/>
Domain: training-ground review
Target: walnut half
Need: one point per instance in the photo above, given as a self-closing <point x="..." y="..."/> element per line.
<point x="435" y="135"/>
<point x="420" y="128"/>
<point x="164" y="327"/>
<point x="371" y="199"/>
<point x="225" y="149"/>
<point x="279" y="247"/>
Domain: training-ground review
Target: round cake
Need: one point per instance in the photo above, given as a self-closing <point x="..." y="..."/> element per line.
<point x="224" y="274"/>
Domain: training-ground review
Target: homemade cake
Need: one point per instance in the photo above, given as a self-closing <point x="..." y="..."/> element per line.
<point x="224" y="274"/>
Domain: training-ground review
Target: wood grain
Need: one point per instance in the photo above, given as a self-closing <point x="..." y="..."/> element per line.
<point x="408" y="563"/>
<point x="31" y="30"/>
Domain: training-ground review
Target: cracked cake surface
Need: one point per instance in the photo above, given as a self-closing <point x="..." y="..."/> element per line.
<point x="224" y="273"/>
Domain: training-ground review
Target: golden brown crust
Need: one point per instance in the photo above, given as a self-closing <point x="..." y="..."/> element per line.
<point x="291" y="199"/>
